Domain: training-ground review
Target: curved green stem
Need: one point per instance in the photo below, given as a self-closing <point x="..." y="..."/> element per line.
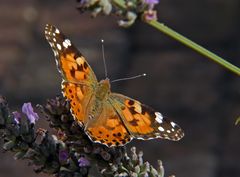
<point x="161" y="27"/>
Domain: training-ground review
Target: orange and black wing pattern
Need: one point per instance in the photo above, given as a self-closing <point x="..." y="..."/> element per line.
<point x="142" y="122"/>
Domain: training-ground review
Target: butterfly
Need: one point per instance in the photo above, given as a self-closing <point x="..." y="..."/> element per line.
<point x="108" y="118"/>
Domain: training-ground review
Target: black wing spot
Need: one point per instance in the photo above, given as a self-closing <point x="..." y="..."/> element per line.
<point x="85" y="65"/>
<point x="134" y="122"/>
<point x="80" y="67"/>
<point x="72" y="72"/>
<point x="132" y="110"/>
<point x="131" y="102"/>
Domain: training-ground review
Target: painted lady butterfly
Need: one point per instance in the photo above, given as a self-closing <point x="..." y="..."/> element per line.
<point x="108" y="118"/>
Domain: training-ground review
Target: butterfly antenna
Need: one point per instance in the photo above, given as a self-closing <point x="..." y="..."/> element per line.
<point x="104" y="60"/>
<point x="129" y="78"/>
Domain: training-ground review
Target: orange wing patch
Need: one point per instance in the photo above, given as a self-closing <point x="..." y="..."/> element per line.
<point x="138" y="122"/>
<point x="75" y="70"/>
<point x="108" y="128"/>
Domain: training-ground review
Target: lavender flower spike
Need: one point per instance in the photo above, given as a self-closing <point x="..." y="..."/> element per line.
<point x="28" y="110"/>
<point x="17" y="116"/>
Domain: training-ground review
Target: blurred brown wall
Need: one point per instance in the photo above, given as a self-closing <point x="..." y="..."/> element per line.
<point x="195" y="92"/>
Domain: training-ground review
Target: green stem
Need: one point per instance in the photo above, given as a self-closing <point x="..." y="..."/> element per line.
<point x="161" y="27"/>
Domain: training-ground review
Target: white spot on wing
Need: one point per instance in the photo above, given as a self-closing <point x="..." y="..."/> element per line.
<point x="59" y="47"/>
<point x="161" y="129"/>
<point x="66" y="43"/>
<point x="173" y="124"/>
<point x="55" y="52"/>
<point x="79" y="60"/>
<point x="57" y="31"/>
<point x="159" y="117"/>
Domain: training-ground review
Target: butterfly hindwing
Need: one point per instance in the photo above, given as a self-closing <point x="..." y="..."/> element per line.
<point x="107" y="127"/>
<point x="80" y="97"/>
<point x="143" y="122"/>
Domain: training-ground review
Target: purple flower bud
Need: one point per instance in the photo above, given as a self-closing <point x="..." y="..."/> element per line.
<point x="17" y="116"/>
<point x="63" y="155"/>
<point x="31" y="115"/>
<point x="151" y="2"/>
<point x="83" y="162"/>
<point x="149" y="15"/>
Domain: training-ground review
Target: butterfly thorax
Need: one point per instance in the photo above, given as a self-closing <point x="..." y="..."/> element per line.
<point x="103" y="89"/>
<point x="101" y="94"/>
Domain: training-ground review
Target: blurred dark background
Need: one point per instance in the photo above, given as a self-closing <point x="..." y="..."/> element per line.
<point x="196" y="93"/>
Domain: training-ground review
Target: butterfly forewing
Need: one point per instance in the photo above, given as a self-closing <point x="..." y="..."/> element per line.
<point x="71" y="63"/>
<point x="143" y="122"/>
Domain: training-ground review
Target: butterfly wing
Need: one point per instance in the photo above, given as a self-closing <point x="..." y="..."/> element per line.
<point x="71" y="63"/>
<point x="78" y="78"/>
<point x="108" y="128"/>
<point x="143" y="122"/>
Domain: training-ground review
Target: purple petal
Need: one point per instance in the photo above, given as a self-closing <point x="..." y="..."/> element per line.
<point x="83" y="162"/>
<point x="28" y="110"/>
<point x="17" y="116"/>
